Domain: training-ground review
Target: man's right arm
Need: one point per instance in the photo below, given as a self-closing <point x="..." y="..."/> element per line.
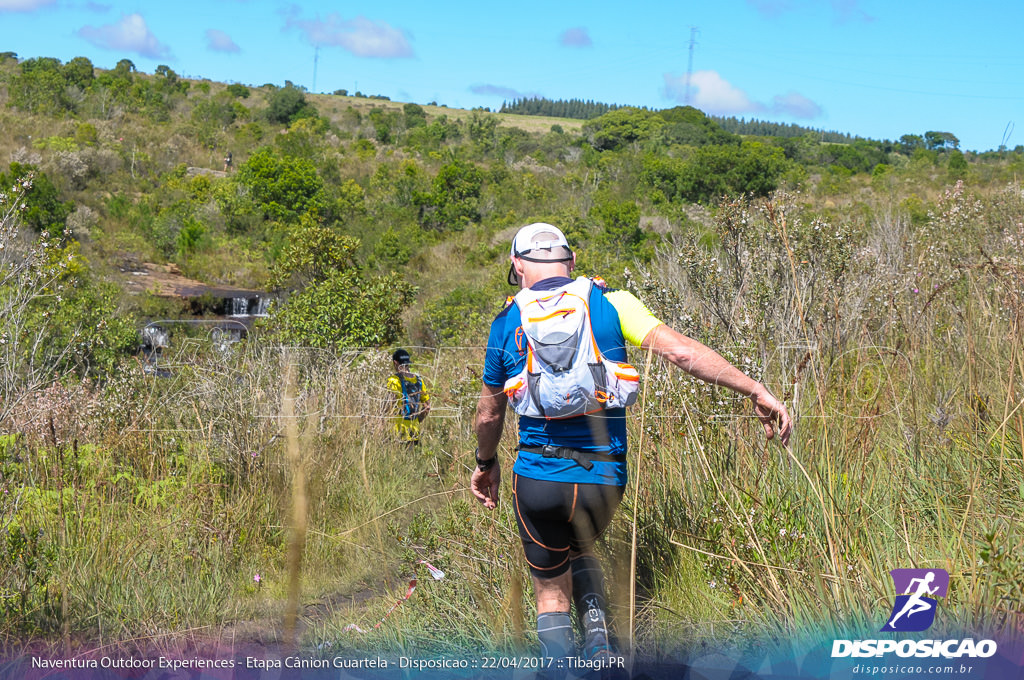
<point x="490" y="420"/>
<point x="489" y="423"/>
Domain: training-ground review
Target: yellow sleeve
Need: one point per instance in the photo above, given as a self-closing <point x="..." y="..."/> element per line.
<point x="636" y="320"/>
<point x="394" y="385"/>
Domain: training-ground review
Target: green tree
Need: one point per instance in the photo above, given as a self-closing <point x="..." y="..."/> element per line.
<point x="621" y="233"/>
<point x="190" y="237"/>
<point x="168" y="81"/>
<point x="44" y="212"/>
<point x="908" y="144"/>
<point x="40" y="87"/>
<point x="687" y="125"/>
<point x="620" y="128"/>
<point x="714" y="171"/>
<point x="332" y="304"/>
<point x="481" y="128"/>
<point x="238" y="90"/>
<point x="86" y="134"/>
<point x="283" y="188"/>
<point x="124" y="69"/>
<point x="460" y="316"/>
<point x="287" y="104"/>
<point x="454" y="199"/>
<point x="440" y="131"/>
<point x="315" y="251"/>
<point x="210" y="117"/>
<point x="79" y="72"/>
<point x="55" y="318"/>
<point x="383" y="123"/>
<point x="415" y="116"/>
<point x="304" y="138"/>
<point x="956" y="165"/>
<point x="938" y="141"/>
<point x="858" y="156"/>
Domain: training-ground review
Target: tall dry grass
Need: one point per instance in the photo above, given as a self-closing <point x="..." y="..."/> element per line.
<point x="903" y="370"/>
<point x="166" y="523"/>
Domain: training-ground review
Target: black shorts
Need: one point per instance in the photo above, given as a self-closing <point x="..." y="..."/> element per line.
<point x="555" y="517"/>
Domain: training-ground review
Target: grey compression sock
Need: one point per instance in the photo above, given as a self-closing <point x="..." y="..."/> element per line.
<point x="554" y="630"/>
<point x="591" y="605"/>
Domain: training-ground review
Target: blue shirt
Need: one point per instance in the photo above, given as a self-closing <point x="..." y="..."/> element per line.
<point x="603" y="432"/>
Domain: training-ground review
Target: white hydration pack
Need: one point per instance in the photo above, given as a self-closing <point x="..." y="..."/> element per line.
<point x="565" y="373"/>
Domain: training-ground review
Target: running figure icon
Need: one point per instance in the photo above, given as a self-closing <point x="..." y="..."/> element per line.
<point x="915" y="605"/>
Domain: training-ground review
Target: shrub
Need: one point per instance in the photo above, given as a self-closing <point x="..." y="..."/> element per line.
<point x="44" y="211"/>
<point x="332" y="304"/>
<point x="454" y="200"/>
<point x="238" y="90"/>
<point x="282" y="187"/>
<point x="288" y="104"/>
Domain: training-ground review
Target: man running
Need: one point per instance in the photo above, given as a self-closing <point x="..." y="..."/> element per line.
<point x="570" y="472"/>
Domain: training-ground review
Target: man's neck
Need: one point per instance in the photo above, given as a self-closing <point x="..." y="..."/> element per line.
<point x="551" y="283"/>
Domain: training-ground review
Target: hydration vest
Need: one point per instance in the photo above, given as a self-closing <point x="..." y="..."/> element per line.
<point x="565" y="374"/>
<point x="411" y="392"/>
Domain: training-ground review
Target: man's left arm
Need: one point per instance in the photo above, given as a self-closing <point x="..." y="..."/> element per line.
<point x="641" y="328"/>
<point x="704" y="363"/>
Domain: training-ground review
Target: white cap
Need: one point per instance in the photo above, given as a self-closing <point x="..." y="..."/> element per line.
<point x="540" y="249"/>
<point x="526" y="239"/>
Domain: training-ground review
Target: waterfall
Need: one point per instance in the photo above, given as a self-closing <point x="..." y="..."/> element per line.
<point x="262" y="306"/>
<point x="256" y="305"/>
<point x="239" y="306"/>
<point x="155" y="337"/>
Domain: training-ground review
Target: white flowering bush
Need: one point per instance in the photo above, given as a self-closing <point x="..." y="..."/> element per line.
<point x="55" y="321"/>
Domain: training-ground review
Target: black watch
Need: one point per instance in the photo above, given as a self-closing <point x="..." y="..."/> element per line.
<point x="484" y="465"/>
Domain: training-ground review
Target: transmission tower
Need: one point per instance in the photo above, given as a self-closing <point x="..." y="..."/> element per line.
<point x="316" y="58"/>
<point x="689" y="66"/>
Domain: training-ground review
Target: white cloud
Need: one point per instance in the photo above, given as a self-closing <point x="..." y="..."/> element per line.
<point x="713" y="94"/>
<point x="796" y="105"/>
<point x="575" y="37"/>
<point x="496" y="90"/>
<point x="501" y="91"/>
<point x="716" y="95"/>
<point x="360" y="36"/>
<point x="710" y="93"/>
<point x="130" y="34"/>
<point x="219" y="41"/>
<point x="23" y="5"/>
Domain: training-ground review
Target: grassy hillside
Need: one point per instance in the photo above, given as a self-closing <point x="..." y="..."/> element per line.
<point x="877" y="288"/>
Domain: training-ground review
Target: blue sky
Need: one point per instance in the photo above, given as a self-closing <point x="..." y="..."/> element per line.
<point x="875" y="68"/>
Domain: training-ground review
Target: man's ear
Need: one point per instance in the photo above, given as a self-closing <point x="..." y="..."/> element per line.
<point x="517" y="264"/>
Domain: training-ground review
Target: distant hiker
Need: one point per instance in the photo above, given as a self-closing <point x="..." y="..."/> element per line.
<point x="410" y="396"/>
<point x="227" y="162"/>
<point x="557" y="355"/>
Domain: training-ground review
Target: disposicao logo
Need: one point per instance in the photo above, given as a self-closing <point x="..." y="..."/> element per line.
<point x="914" y="609"/>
